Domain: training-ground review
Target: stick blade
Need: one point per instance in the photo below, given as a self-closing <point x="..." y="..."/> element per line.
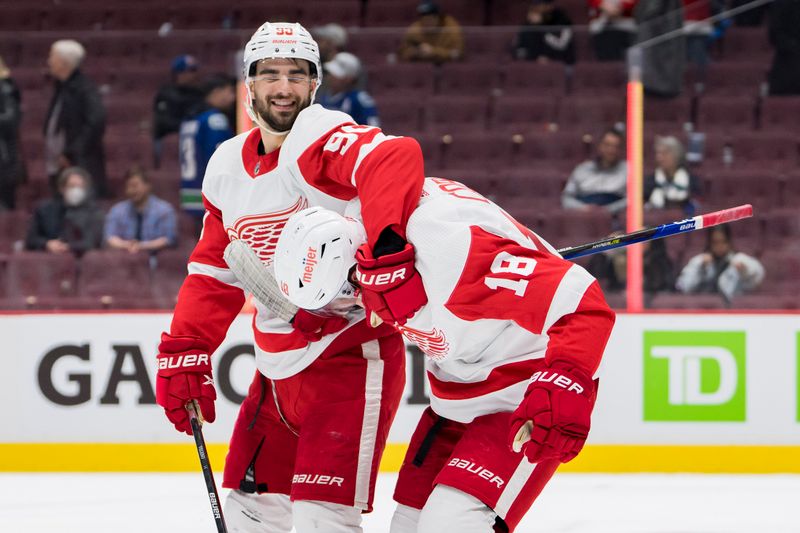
<point x="257" y="279"/>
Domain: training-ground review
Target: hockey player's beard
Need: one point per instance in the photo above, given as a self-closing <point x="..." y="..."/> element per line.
<point x="279" y="121"/>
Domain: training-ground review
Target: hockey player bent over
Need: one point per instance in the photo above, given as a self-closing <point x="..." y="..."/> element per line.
<point x="513" y="335"/>
<point x="305" y="447"/>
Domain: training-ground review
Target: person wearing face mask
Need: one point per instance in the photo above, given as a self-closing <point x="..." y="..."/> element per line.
<point x="69" y="222"/>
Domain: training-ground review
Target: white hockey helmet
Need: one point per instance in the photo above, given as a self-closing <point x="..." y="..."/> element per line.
<point x="279" y="40"/>
<point x="314" y="255"/>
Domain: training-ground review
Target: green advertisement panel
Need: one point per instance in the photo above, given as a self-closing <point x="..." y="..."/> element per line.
<point x="694" y="376"/>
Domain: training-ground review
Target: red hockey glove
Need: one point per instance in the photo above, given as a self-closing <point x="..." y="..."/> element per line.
<point x="553" y="420"/>
<point x="184" y="374"/>
<point x="313" y="327"/>
<point x="390" y="285"/>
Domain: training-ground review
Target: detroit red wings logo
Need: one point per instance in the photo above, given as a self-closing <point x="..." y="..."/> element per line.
<point x="433" y="343"/>
<point x="261" y="232"/>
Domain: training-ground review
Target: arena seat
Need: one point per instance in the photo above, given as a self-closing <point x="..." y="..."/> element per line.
<point x="114" y="274"/>
<point x="400" y="114"/>
<point x="411" y="80"/>
<point x="524" y="114"/>
<point x="40" y="274"/>
<point x="449" y="114"/>
<point x="467" y="79"/>
<point x="780" y="114"/>
<point x="726" y="112"/>
<point x="603" y="77"/>
<point x="522" y="78"/>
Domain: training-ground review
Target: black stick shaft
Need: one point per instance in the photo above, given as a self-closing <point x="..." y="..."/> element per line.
<point x="208" y="474"/>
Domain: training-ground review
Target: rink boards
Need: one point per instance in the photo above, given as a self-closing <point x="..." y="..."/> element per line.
<point x="678" y="393"/>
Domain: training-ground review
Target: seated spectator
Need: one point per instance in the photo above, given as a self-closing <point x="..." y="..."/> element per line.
<point x="671" y="186"/>
<point x="12" y="168"/>
<point x="610" y="268"/>
<point x="179" y="99"/>
<point x="600" y="182"/>
<point x="434" y="37"/>
<point x="143" y="221"/>
<point x="200" y="136"/>
<point x="546" y="35"/>
<point x="612" y="28"/>
<point x="784" y="21"/>
<point x="720" y="269"/>
<point x="342" y="74"/>
<point x="69" y="222"/>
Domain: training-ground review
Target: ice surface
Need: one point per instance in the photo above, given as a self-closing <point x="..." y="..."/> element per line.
<point x="572" y="503"/>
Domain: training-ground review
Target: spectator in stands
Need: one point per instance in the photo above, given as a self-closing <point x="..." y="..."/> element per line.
<point x="69" y="222"/>
<point x="664" y="62"/>
<point x="671" y="185"/>
<point x="698" y="31"/>
<point x="343" y="72"/>
<point x="784" y="21"/>
<point x="611" y="27"/>
<point x="143" y="222"/>
<point x="547" y="35"/>
<point x="720" y="269"/>
<point x="179" y="99"/>
<point x="331" y="39"/>
<point x="200" y="136"/>
<point x="599" y="183"/>
<point x="76" y="120"/>
<point x="610" y="268"/>
<point x="11" y="164"/>
<point x="435" y="36"/>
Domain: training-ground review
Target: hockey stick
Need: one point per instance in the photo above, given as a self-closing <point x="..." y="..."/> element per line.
<point x="659" y="232"/>
<point x="257" y="279"/>
<point x="199" y="442"/>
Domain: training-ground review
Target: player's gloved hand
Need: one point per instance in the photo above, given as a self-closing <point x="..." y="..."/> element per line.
<point x="313" y="326"/>
<point x="391" y="287"/>
<point x="184" y="374"/>
<point x="553" y="420"/>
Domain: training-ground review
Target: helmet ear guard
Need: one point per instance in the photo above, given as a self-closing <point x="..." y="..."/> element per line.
<point x="314" y="257"/>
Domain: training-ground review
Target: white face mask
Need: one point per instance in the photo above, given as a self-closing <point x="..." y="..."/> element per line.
<point x="75" y="196"/>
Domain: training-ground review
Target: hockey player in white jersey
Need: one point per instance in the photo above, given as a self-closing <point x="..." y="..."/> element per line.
<point x="513" y="335"/>
<point x="304" y="451"/>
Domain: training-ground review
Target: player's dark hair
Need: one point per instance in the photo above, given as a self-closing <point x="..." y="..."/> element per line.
<point x="218" y="81"/>
<point x="725" y="229"/>
<point x="69" y="171"/>
<point x="136" y="171"/>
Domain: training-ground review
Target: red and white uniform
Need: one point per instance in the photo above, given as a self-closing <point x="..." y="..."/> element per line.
<point x="501" y="304"/>
<point x="500" y="298"/>
<point x="325" y="160"/>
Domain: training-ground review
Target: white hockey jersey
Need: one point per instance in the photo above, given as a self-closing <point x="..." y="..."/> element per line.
<point x="325" y="160"/>
<point x="501" y="302"/>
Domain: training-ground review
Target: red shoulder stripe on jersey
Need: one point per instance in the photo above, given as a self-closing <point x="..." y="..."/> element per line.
<point x="473" y="299"/>
<point x="499" y="378"/>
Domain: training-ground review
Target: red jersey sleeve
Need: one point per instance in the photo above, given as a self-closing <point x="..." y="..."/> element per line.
<point x="385" y="172"/>
<point x="210" y="297"/>
<point x="537" y="290"/>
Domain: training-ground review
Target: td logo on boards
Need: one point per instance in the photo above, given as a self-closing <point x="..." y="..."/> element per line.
<point x="694" y="376"/>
